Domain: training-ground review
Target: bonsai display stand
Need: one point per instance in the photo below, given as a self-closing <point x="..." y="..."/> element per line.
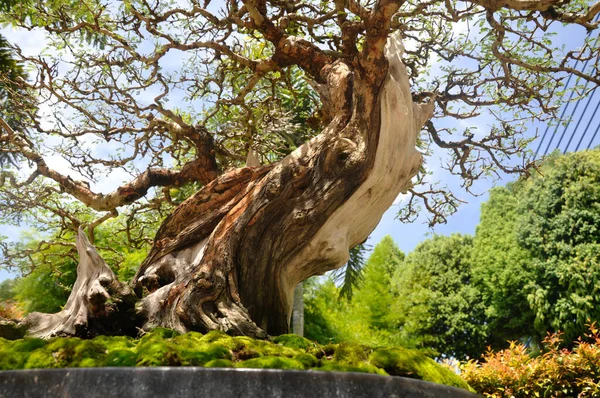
<point x="182" y="382"/>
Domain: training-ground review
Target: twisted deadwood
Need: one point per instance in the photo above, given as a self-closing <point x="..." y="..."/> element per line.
<point x="98" y="303"/>
<point x="290" y="222"/>
<point x="229" y="257"/>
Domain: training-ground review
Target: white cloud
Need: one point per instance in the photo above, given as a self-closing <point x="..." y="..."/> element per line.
<point x="32" y="42"/>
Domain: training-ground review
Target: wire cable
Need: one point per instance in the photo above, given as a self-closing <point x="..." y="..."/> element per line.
<point x="588" y="126"/>
<point x="577" y="105"/>
<point x="562" y="114"/>
<point x="578" y="122"/>
<point x="594" y="136"/>
<point x="565" y="108"/>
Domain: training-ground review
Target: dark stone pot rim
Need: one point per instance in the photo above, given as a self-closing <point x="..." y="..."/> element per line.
<point x="162" y="382"/>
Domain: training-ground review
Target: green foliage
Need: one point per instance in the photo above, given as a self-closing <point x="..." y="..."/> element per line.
<point x="5" y="5"/>
<point x="164" y="347"/>
<point x="14" y="100"/>
<point x="6" y="289"/>
<point x="369" y="317"/>
<point x="9" y="308"/>
<point x="46" y="289"/>
<point x="350" y="276"/>
<point x="440" y="308"/>
<point x="533" y="266"/>
<point x="502" y="269"/>
<point x="321" y="303"/>
<point x="374" y="298"/>
<point x="57" y="13"/>
<point x="513" y="372"/>
<point x="560" y="229"/>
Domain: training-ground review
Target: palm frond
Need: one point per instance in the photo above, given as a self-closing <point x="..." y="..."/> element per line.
<point x="350" y="275"/>
<point x="16" y="103"/>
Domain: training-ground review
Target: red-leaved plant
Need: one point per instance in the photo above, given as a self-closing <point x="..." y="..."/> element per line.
<point x="558" y="372"/>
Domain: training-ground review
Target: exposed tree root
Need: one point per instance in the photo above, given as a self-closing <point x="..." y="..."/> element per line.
<point x="98" y="304"/>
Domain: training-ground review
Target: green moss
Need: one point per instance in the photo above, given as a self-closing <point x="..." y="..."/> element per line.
<point x="308" y="360"/>
<point x="113" y="343"/>
<point x="409" y="363"/>
<point x="27" y="344"/>
<point x="218" y="337"/>
<point x="351" y="354"/>
<point x="121" y="357"/>
<point x="204" y="354"/>
<point x="157" y="349"/>
<point x="327" y="350"/>
<point x="90" y="363"/>
<point x="72" y="352"/>
<point x="217" y="351"/>
<point x="163" y="347"/>
<point x="294" y="341"/>
<point x="196" y="349"/>
<point x="66" y="352"/>
<point x="331" y="366"/>
<point x="40" y="359"/>
<point x="247" y="348"/>
<point x="156" y="352"/>
<point x="14" y="354"/>
<point x="271" y="362"/>
<point x="219" y="363"/>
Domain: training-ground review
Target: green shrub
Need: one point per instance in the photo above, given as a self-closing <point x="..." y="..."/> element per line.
<point x="557" y="372"/>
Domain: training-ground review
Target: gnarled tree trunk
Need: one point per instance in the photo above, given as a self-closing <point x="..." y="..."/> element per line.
<point x="235" y="267"/>
<point x="230" y="256"/>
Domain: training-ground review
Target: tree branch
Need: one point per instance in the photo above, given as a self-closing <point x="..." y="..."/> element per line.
<point x="202" y="169"/>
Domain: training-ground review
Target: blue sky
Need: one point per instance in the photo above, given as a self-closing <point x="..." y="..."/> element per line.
<point x="465" y="220"/>
<point x="407" y="236"/>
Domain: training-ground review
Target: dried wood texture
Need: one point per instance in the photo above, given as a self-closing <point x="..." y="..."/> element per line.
<point x="98" y="304"/>
<point x="297" y="220"/>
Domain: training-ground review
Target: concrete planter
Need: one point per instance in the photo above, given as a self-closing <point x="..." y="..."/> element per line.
<point x="180" y="382"/>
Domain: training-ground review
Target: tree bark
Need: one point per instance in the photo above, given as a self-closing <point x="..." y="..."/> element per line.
<point x="237" y="271"/>
<point x="230" y="256"/>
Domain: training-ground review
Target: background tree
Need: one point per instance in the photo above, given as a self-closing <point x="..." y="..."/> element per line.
<point x="368" y="315"/>
<point x="536" y="252"/>
<point x="530" y="270"/>
<point x="438" y="303"/>
<point x="503" y="270"/>
<point x="560" y="229"/>
<point x="229" y="256"/>
<point x="373" y="300"/>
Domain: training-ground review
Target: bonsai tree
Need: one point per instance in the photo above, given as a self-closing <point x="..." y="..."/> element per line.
<point x="297" y="123"/>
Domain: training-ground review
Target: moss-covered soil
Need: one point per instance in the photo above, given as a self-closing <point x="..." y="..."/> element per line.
<point x="163" y="347"/>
